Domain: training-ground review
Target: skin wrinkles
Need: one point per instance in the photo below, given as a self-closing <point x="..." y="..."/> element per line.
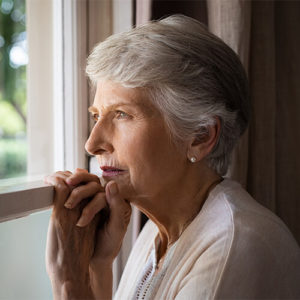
<point x="133" y="106"/>
<point x="128" y="136"/>
<point x="159" y="178"/>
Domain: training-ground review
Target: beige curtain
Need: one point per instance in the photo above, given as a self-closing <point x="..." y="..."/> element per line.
<point x="274" y="140"/>
<point x="231" y="20"/>
<point x="266" y="36"/>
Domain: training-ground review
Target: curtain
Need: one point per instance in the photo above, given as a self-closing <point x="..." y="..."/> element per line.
<point x="274" y="140"/>
<point x="265" y="34"/>
<point x="231" y="21"/>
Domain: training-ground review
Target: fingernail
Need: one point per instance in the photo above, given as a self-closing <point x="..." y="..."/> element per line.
<point x="113" y="189"/>
<point x="68" y="181"/>
<point x="68" y="205"/>
<point x="80" y="223"/>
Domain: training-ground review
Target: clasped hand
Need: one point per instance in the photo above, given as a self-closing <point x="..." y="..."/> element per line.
<point x="86" y="229"/>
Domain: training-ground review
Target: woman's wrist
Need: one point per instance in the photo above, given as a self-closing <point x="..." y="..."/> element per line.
<point x="72" y="289"/>
<point x="101" y="279"/>
<point x="76" y="290"/>
<point x="97" y="265"/>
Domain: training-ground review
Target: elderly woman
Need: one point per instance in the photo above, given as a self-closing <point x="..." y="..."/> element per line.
<point x="171" y="102"/>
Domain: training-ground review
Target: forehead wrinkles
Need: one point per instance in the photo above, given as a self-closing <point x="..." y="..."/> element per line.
<point x="110" y="96"/>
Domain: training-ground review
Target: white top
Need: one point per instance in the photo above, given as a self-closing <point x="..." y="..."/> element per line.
<point x="149" y="282"/>
<point x="234" y="248"/>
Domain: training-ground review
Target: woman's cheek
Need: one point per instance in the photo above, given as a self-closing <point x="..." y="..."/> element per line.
<point x="125" y="186"/>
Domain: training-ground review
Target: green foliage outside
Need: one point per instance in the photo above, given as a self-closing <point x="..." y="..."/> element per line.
<point x="12" y="158"/>
<point x="13" y="147"/>
<point x="10" y="121"/>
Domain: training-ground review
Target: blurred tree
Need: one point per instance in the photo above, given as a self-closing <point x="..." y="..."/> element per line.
<point x="13" y="55"/>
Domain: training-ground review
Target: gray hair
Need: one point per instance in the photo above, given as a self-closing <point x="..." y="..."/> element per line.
<point x="191" y="75"/>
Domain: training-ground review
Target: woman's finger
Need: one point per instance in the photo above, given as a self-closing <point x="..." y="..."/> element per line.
<point x="92" y="208"/>
<point x="82" y="192"/>
<point x="82" y="177"/>
<point x="120" y="209"/>
<point x="81" y="170"/>
<point x="62" y="190"/>
<point x="109" y="241"/>
<point x="64" y="172"/>
<point x="61" y="174"/>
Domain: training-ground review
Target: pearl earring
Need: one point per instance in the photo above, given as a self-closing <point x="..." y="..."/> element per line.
<point x="193" y="159"/>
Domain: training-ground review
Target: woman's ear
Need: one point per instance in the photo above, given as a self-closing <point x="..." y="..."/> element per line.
<point x="203" y="143"/>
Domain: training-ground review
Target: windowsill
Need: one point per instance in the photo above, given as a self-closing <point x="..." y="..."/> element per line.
<point x="22" y="199"/>
<point x="22" y="196"/>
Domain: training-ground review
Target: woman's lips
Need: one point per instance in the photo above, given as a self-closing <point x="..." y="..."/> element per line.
<point x="111" y="171"/>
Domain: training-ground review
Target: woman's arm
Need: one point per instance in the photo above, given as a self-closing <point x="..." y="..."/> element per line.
<point x="79" y="258"/>
<point x="69" y="290"/>
<point x="102" y="280"/>
<point x="109" y="243"/>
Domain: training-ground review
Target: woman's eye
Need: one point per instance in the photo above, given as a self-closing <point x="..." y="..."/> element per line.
<point x="121" y="115"/>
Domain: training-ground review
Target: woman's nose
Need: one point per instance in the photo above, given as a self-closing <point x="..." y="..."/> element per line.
<point x="97" y="142"/>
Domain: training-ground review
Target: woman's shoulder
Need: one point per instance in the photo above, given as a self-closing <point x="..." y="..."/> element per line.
<point x="235" y="242"/>
<point x="231" y="213"/>
<point x="263" y="256"/>
<point x="241" y="211"/>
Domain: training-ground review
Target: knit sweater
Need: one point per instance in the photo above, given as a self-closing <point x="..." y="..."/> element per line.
<point x="234" y="249"/>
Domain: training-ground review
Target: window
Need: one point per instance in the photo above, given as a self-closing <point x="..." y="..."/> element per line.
<point x="13" y="61"/>
<point x="60" y="34"/>
<point x="57" y="90"/>
<point x="56" y="129"/>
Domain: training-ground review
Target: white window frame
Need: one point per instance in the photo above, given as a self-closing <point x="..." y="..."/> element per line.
<point x="62" y="99"/>
<point x="63" y="96"/>
<point x="23" y="199"/>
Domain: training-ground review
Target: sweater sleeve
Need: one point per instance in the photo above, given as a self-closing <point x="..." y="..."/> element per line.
<point x="252" y="269"/>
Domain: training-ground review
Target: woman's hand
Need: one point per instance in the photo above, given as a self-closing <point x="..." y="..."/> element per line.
<point x="115" y="209"/>
<point x="69" y="247"/>
<point x="73" y="251"/>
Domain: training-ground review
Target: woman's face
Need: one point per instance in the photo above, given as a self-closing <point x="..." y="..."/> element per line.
<point x="132" y="143"/>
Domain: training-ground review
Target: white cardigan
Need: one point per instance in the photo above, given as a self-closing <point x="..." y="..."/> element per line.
<point x="234" y="249"/>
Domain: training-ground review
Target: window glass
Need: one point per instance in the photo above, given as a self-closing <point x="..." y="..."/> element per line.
<point x="22" y="258"/>
<point x="22" y="241"/>
<point x="13" y="61"/>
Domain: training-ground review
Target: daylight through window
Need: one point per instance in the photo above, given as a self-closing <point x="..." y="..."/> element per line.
<point x="13" y="111"/>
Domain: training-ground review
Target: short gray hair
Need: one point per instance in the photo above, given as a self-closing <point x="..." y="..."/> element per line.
<point x="191" y="75"/>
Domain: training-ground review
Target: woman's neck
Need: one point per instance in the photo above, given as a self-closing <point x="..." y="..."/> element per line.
<point x="174" y="211"/>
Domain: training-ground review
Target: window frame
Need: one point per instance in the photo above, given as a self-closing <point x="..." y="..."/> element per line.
<point x="62" y="98"/>
<point x="22" y="199"/>
<point x="68" y="25"/>
<point x="73" y="24"/>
